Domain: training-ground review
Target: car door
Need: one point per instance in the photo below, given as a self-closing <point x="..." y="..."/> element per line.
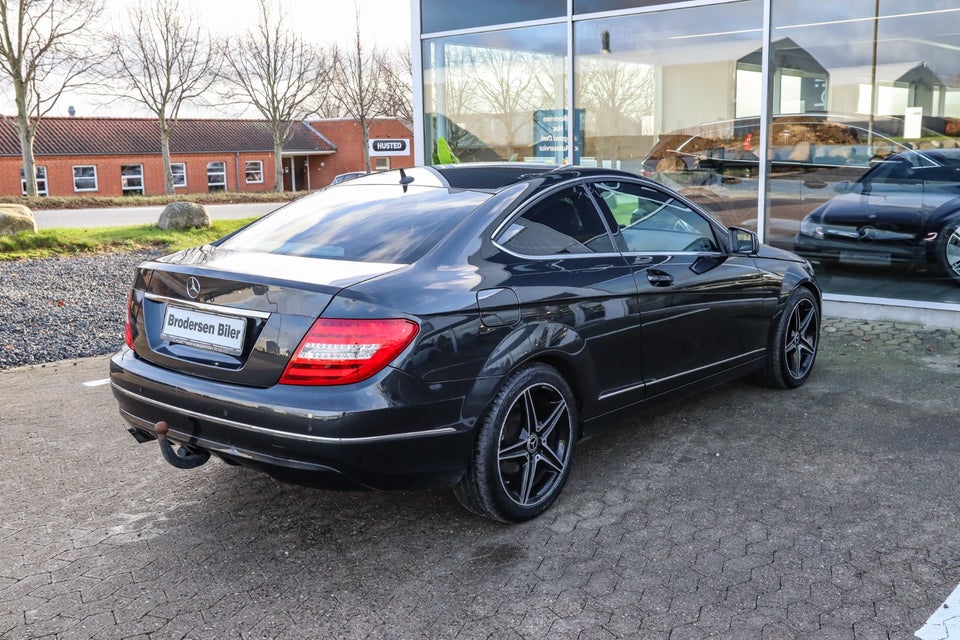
<point x="703" y="310"/>
<point x="574" y="286"/>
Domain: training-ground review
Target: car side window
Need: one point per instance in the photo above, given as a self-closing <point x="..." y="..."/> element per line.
<point x="651" y="220"/>
<point x="566" y="222"/>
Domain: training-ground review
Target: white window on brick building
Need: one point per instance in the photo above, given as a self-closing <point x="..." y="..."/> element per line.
<point x="131" y="179"/>
<point x="216" y="176"/>
<point x="253" y="170"/>
<point x="85" y="177"/>
<point x="41" y="181"/>
<point x="179" y="171"/>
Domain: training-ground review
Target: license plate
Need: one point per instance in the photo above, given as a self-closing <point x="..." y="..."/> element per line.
<point x="213" y="331"/>
<point x="852" y="257"/>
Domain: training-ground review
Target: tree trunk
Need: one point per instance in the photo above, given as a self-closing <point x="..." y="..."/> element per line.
<point x="27" y="136"/>
<point x="365" y="127"/>
<point x="165" y="152"/>
<point x="28" y="132"/>
<point x="277" y="165"/>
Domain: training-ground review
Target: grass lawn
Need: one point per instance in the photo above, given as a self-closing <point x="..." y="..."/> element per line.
<point x="69" y="241"/>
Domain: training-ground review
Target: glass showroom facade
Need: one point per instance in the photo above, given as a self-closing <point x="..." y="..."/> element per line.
<point x="830" y="128"/>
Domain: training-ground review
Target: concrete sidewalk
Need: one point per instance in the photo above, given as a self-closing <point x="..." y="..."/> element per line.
<point x="826" y="512"/>
<point x="119" y="216"/>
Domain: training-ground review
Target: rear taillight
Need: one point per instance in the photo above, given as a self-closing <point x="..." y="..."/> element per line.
<point x="340" y="351"/>
<point x="128" y="327"/>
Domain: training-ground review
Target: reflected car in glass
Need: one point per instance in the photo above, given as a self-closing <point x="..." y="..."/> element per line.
<point x="343" y="177"/>
<point x="904" y="210"/>
<point x="458" y="325"/>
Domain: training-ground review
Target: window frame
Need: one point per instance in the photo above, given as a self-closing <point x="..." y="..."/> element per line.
<point x="247" y="171"/>
<point x="96" y="182"/>
<point x="125" y="189"/>
<point x="183" y="173"/>
<point x="217" y="186"/>
<point x="377" y="164"/>
<point x="584" y="187"/>
<point x="41" y="179"/>
<point x="669" y="199"/>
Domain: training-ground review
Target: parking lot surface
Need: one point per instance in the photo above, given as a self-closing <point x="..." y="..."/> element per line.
<point x="826" y="512"/>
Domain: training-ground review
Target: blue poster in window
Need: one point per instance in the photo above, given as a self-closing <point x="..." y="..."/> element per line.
<point x="550" y="134"/>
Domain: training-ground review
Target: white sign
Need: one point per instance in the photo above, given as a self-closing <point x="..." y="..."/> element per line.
<point x="205" y="330"/>
<point x="389" y="147"/>
<point x="913" y="122"/>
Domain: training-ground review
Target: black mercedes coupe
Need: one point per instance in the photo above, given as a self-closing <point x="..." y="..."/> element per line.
<point x="453" y="325"/>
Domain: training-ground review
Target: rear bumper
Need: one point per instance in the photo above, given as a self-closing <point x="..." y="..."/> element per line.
<point x="393" y="433"/>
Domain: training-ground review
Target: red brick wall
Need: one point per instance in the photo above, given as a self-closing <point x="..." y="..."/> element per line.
<point x="321" y="168"/>
<point x="60" y="173"/>
<point x="348" y="137"/>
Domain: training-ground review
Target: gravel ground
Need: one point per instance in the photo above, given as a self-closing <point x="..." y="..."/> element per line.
<point x="61" y="308"/>
<point x="55" y="309"/>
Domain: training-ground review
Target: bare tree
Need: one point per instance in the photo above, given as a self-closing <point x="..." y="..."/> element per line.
<point x="358" y="83"/>
<point x="619" y="95"/>
<point x="280" y="74"/>
<point x="45" y="49"/>
<point x="397" y="86"/>
<point x="505" y="81"/>
<point x="164" y="60"/>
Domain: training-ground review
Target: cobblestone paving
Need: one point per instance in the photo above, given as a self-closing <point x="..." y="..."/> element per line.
<point x="826" y="512"/>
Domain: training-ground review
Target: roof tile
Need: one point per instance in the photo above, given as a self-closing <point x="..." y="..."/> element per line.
<point x="128" y="136"/>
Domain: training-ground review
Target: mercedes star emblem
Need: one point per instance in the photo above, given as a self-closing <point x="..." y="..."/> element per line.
<point x="193" y="288"/>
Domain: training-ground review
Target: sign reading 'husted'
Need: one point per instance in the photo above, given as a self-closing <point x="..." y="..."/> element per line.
<point x="390" y="147"/>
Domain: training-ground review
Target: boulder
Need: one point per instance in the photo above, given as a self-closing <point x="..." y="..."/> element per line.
<point x="184" y="215"/>
<point x="15" y="218"/>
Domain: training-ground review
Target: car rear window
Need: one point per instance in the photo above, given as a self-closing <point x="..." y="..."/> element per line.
<point x="376" y="223"/>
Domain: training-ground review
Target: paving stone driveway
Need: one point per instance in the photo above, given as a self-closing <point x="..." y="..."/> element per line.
<point x="826" y="512"/>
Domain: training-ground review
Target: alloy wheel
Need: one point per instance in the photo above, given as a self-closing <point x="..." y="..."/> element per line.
<point x="534" y="445"/>
<point x="800" y="340"/>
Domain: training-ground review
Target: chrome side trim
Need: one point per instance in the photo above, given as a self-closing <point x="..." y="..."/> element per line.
<point x="273" y="432"/>
<point x="203" y="306"/>
<point x="611" y="394"/>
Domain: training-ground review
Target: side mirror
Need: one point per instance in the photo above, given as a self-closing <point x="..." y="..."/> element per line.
<point x="742" y="241"/>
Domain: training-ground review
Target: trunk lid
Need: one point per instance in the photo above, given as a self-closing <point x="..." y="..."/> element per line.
<point x="234" y="316"/>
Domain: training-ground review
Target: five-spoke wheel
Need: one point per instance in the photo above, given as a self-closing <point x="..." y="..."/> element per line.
<point x="794" y="342"/>
<point x="524" y="449"/>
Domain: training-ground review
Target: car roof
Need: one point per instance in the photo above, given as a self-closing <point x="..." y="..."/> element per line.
<point x="489" y="177"/>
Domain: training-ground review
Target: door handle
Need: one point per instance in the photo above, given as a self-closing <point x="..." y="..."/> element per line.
<point x="659" y="278"/>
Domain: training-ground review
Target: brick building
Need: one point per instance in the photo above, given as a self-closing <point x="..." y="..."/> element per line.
<point x="121" y="156"/>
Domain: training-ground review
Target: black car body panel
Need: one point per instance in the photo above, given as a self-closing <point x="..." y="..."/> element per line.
<point x="624" y="324"/>
<point x="895" y="213"/>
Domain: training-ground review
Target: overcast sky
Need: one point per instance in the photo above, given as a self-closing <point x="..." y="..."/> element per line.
<point x="383" y="23"/>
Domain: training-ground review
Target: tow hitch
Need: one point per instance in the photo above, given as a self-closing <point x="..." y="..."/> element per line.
<point x="183" y="457"/>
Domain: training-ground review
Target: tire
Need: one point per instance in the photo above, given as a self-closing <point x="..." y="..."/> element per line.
<point x="948" y="251"/>
<point x="793" y="343"/>
<point x="524" y="447"/>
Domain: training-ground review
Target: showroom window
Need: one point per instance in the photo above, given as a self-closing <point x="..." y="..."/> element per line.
<point x="658" y="95"/>
<point x="863" y="146"/>
<point x="216" y="176"/>
<point x="41" y="181"/>
<point x="179" y="171"/>
<point x="485" y="94"/>
<point x="253" y="171"/>
<point x="131" y="179"/>
<point x="85" y="178"/>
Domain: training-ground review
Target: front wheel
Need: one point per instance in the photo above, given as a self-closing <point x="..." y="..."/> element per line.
<point x="524" y="448"/>
<point x="794" y="342"/>
<point x="948" y="251"/>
